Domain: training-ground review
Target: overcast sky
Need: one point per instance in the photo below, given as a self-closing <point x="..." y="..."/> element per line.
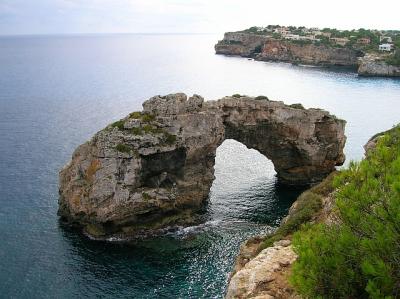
<point x="187" y="16"/>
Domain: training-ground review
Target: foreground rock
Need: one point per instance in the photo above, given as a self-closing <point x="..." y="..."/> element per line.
<point x="265" y="276"/>
<point x="154" y="168"/>
<point x="374" y="65"/>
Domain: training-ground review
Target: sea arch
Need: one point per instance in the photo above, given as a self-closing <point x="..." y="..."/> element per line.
<point x="150" y="169"/>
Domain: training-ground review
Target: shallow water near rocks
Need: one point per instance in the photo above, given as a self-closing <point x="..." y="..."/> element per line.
<point x="56" y="92"/>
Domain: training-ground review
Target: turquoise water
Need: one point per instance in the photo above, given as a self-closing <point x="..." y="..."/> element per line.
<point x="55" y="92"/>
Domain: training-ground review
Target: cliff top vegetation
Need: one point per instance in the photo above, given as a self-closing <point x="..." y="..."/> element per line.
<point x="357" y="256"/>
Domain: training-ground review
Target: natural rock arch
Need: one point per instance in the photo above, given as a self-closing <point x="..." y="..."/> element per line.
<point x="152" y="168"/>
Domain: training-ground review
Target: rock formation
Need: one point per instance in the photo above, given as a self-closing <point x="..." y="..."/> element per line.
<point x="152" y="168"/>
<point x="265" y="48"/>
<point x="265" y="276"/>
<point x="242" y="44"/>
<point x="373" y="65"/>
<point x="277" y="50"/>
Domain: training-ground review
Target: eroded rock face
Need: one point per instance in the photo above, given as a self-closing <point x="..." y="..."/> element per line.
<point x="266" y="48"/>
<point x="265" y="276"/>
<point x="372" y="65"/>
<point x="152" y="168"/>
<point x="277" y="50"/>
<point x="241" y="44"/>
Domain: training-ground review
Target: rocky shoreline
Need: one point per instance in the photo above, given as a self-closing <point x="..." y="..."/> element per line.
<point x="265" y="48"/>
<point x="153" y="169"/>
<point x="263" y="264"/>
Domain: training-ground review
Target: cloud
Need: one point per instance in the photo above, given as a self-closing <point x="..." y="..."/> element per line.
<point x="93" y="16"/>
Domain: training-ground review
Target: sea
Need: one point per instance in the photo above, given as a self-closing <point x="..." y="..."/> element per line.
<point x="57" y="91"/>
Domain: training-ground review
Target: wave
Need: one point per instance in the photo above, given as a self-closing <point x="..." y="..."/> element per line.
<point x="181" y="231"/>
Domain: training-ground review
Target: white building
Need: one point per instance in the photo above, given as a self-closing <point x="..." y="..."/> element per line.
<point x="386" y="47"/>
<point x="292" y="36"/>
<point x="310" y="37"/>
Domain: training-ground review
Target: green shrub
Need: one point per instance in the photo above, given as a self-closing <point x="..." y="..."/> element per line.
<point x="149" y="129"/>
<point x="123" y="148"/>
<point x="308" y="206"/>
<point x="169" y="138"/>
<point x="136" y="131"/>
<point x="359" y="256"/>
<point x="135" y="115"/>
<point x="297" y="106"/>
<point x="118" y="124"/>
<point x="236" y="95"/>
<point x="148" y="117"/>
<point x="394" y="59"/>
<point x="261" y="98"/>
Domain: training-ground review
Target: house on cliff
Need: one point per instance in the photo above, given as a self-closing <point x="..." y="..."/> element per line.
<point x="364" y="41"/>
<point x="386" y="47"/>
<point x="340" y="40"/>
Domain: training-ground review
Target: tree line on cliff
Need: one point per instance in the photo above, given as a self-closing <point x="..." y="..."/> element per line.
<point x="358" y="254"/>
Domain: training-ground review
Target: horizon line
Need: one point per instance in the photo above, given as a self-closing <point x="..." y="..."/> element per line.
<point x="105" y="33"/>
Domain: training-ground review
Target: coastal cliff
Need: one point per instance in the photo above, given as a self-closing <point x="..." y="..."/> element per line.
<point x="269" y="48"/>
<point x="266" y="48"/>
<point x="154" y="168"/>
<point x="285" y="51"/>
<point x="241" y="44"/>
<point x="265" y="263"/>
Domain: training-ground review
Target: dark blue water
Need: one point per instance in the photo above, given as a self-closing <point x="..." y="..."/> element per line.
<point x="55" y="92"/>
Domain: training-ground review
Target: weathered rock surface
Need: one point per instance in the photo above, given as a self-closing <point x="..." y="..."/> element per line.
<point x="241" y="44"/>
<point x="265" y="276"/>
<point x="277" y="50"/>
<point x="152" y="168"/>
<point x="265" y="48"/>
<point x="372" y="65"/>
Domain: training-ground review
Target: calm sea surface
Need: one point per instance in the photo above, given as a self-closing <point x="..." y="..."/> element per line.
<point x="56" y="92"/>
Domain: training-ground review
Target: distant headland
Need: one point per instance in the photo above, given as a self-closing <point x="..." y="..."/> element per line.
<point x="370" y="52"/>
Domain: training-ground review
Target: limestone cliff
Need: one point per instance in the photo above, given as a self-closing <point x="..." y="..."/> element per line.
<point x="373" y="65"/>
<point x="266" y="48"/>
<point x="242" y="44"/>
<point x="278" y="50"/>
<point x="153" y="168"/>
